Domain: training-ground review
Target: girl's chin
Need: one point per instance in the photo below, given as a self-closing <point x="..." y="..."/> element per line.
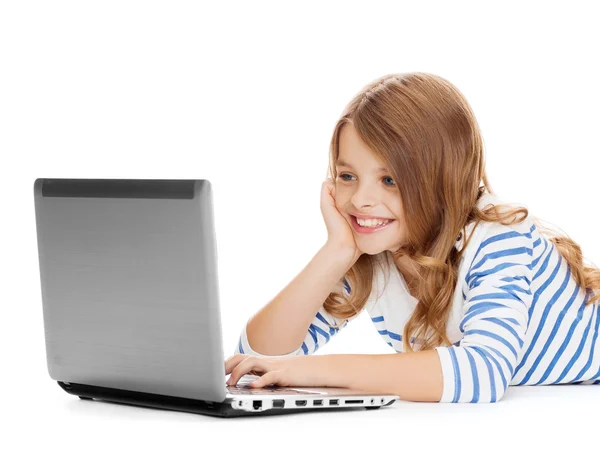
<point x="373" y="249"/>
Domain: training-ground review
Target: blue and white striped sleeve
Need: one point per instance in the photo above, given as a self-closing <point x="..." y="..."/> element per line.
<point x="495" y="319"/>
<point x="319" y="332"/>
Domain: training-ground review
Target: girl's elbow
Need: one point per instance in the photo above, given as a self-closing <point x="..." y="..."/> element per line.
<point x="493" y="396"/>
<point x="497" y="396"/>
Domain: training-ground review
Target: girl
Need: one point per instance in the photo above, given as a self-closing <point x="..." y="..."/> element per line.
<point x="467" y="285"/>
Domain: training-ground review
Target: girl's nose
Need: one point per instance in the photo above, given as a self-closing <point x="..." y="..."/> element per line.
<point x="363" y="199"/>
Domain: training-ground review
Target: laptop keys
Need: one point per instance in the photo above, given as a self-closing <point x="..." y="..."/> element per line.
<point x="263" y="390"/>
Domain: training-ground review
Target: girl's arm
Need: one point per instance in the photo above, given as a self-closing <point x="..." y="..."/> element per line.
<point x="282" y="325"/>
<point x="478" y="370"/>
<point x="496" y="318"/>
<point x="319" y="331"/>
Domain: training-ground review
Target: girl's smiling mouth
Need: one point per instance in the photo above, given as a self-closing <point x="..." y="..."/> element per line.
<point x="369" y="230"/>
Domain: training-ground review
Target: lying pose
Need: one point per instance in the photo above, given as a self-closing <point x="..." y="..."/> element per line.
<point x="465" y="287"/>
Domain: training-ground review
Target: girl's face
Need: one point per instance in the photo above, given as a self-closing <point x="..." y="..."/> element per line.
<point x="363" y="186"/>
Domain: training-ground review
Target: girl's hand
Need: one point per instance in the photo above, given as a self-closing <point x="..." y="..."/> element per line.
<point x="295" y="370"/>
<point x="339" y="232"/>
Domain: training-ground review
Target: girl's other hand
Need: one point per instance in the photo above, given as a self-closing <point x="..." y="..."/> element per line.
<point x="339" y="232"/>
<point x="295" y="370"/>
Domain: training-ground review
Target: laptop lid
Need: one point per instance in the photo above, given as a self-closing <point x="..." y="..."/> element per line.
<point x="128" y="271"/>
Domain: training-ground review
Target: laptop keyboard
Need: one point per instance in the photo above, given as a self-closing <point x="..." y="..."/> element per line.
<point x="242" y="387"/>
<point x="245" y="390"/>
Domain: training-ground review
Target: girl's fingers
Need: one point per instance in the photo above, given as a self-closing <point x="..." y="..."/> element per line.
<point x="266" y="379"/>
<point x="232" y="362"/>
<point x="244" y="367"/>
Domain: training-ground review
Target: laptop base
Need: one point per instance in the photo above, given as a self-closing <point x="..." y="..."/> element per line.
<point x="166" y="402"/>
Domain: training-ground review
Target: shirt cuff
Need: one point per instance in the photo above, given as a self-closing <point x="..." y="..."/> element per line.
<point x="448" y="373"/>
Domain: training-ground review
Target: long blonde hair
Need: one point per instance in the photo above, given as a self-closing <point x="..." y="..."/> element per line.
<point x="423" y="129"/>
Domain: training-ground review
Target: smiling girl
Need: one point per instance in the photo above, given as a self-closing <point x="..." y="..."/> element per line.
<point x="473" y="294"/>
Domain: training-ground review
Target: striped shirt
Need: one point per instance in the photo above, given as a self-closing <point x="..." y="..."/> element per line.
<point x="518" y="316"/>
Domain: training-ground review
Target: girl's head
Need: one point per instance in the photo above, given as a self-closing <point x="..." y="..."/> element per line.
<point x="408" y="148"/>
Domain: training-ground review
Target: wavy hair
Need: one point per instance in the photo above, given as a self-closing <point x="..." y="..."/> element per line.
<point x="423" y="129"/>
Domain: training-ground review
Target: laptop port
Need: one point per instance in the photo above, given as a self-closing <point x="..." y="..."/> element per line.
<point x="317" y="403"/>
<point x="257" y="404"/>
<point x="300" y="403"/>
<point x="353" y="401"/>
<point x="279" y="403"/>
<point x="333" y="401"/>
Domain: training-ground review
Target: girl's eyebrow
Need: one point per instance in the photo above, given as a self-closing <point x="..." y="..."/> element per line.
<point x="342" y="163"/>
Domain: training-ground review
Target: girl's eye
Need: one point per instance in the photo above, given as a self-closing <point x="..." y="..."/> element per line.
<point x="392" y="184"/>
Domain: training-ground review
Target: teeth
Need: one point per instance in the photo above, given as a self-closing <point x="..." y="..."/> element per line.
<point x="371" y="222"/>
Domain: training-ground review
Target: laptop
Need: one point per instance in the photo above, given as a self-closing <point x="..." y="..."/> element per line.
<point x="128" y="271"/>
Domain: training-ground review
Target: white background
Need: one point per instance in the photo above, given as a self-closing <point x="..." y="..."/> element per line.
<point x="246" y="94"/>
